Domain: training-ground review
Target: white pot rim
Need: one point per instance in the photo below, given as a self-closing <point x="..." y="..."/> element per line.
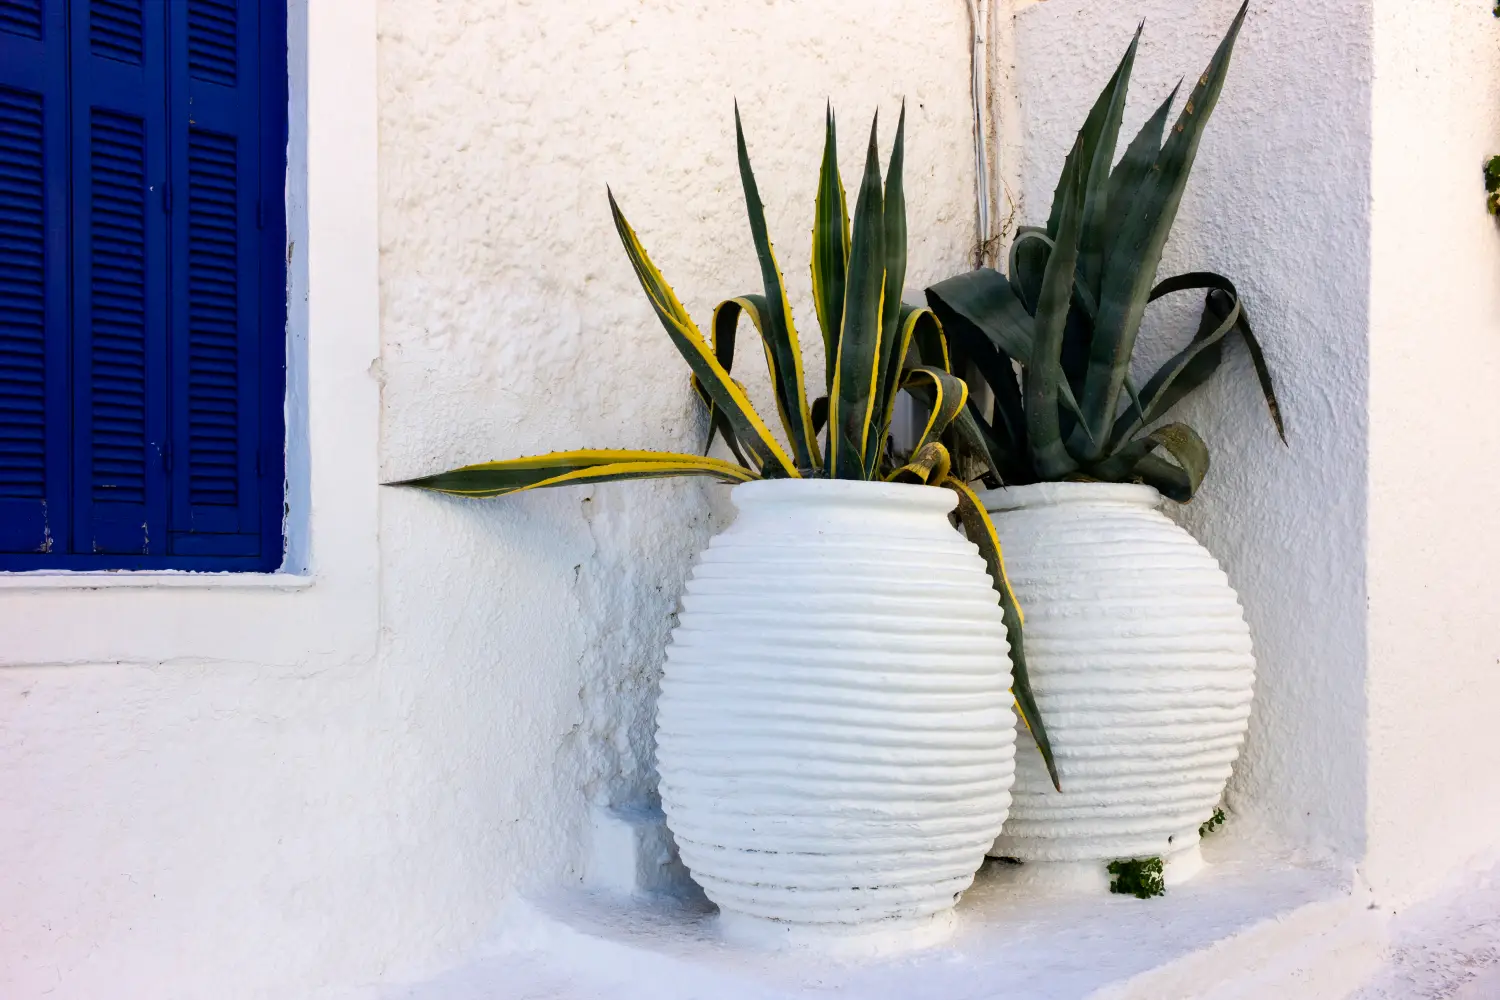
<point x="844" y="493"/>
<point x="1055" y="494"/>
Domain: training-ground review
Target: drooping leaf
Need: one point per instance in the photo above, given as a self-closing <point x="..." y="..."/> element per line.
<point x="1131" y="267"/>
<point x="1044" y="374"/>
<point x="855" y="375"/>
<point x="1027" y="263"/>
<point x="1222" y="315"/>
<point x="983" y="300"/>
<point x="795" y="415"/>
<point x="563" y="468"/>
<point x="1178" y="440"/>
<point x="751" y="430"/>
<point x="772" y="315"/>
<point x="944" y="394"/>
<point x="954" y="301"/>
<point x="929" y="341"/>
<point x="929" y="464"/>
<point x="915" y="326"/>
<point x="1169" y="480"/>
<point x="981" y="531"/>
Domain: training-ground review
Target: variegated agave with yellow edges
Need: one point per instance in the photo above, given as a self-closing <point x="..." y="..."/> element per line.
<point x="876" y="346"/>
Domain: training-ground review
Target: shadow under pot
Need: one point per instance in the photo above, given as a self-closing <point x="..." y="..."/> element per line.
<point x="1140" y="660"/>
<point x="835" y="735"/>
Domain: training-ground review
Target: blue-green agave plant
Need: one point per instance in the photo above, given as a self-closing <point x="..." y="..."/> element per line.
<point x="1066" y="314"/>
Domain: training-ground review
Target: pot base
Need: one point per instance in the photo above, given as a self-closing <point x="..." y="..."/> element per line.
<point x="1092" y="877"/>
<point x="886" y="937"/>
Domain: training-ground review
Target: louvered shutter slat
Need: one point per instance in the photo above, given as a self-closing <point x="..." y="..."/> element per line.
<point x="33" y="277"/>
<point x="120" y="277"/>
<point x="216" y="492"/>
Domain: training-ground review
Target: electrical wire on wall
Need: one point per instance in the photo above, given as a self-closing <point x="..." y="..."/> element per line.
<point x="979" y="28"/>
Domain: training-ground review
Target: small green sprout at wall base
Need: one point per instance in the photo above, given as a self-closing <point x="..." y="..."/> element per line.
<point x="1492" y="184"/>
<point x="1214" y="822"/>
<point x="1138" y="877"/>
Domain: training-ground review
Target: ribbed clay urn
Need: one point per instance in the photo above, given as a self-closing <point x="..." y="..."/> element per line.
<point x="1140" y="660"/>
<point x="835" y="736"/>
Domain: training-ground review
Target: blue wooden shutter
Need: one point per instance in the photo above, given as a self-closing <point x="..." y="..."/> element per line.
<point x="217" y="295"/>
<point x="121" y="197"/>
<point x="33" y="276"/>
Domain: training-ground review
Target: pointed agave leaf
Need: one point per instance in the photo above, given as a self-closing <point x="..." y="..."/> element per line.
<point x="930" y="464"/>
<point x="1128" y="176"/>
<point x="753" y="434"/>
<point x="1178" y="440"/>
<point x="563" y="468"/>
<point x="1131" y="267"/>
<point x="981" y="531"/>
<point x="1101" y="133"/>
<point x="830" y="251"/>
<point x="1044" y="374"/>
<point x="855" y="375"/>
<point x="783" y="352"/>
<point x="893" y="337"/>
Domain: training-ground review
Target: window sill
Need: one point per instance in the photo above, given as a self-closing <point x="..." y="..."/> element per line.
<point x="150" y="579"/>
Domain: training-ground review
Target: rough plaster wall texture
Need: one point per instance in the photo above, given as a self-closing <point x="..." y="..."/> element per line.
<point x="188" y="830"/>
<point x="526" y="635"/>
<point x="1435" y="372"/>
<point x="1279" y="202"/>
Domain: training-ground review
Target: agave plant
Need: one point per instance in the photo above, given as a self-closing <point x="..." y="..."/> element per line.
<point x="1067" y="313"/>
<point x="876" y="346"/>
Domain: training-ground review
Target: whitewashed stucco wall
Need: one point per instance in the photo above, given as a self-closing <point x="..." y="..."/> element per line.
<point x="267" y="790"/>
<point x="1434" y="533"/>
<point x="1279" y="202"/>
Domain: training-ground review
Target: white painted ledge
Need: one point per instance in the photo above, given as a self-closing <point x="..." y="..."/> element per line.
<point x="1242" y="930"/>
<point x="123" y="579"/>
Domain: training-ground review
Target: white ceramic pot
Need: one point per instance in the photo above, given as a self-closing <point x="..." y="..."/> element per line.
<point x="835" y="736"/>
<point x="1140" y="659"/>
